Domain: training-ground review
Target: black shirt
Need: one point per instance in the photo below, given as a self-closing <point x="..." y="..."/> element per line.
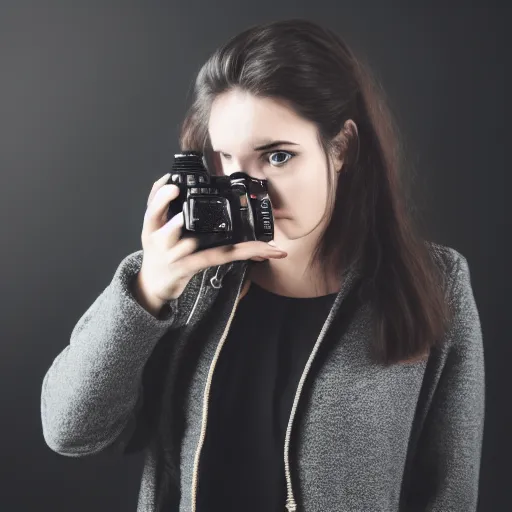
<point x="251" y="396"/>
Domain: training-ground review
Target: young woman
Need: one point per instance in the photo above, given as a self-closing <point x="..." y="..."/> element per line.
<point x="341" y="371"/>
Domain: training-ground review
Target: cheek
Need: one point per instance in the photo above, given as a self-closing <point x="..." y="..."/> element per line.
<point x="306" y="195"/>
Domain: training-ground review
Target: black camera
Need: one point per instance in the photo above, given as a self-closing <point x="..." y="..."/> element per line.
<point x="219" y="210"/>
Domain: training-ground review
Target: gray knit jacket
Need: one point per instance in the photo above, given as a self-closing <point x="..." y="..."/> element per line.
<point x="369" y="438"/>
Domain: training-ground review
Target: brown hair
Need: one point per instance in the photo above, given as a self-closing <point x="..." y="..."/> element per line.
<point x="312" y="69"/>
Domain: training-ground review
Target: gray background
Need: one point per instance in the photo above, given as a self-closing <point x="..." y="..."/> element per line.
<point x="91" y="97"/>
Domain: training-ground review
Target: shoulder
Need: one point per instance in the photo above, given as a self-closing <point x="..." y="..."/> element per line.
<point x="453" y="266"/>
<point x="464" y="331"/>
<point x="448" y="258"/>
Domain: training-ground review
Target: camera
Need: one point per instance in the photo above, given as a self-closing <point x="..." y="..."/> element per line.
<point x="219" y="210"/>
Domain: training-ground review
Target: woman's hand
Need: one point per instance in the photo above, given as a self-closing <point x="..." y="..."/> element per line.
<point x="169" y="262"/>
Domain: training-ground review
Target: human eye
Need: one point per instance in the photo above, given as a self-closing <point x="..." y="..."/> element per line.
<point x="280" y="162"/>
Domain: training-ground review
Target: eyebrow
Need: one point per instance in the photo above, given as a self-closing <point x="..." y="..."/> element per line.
<point x="269" y="145"/>
<point x="273" y="144"/>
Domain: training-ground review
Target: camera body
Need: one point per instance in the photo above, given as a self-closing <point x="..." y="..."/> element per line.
<point x="219" y="210"/>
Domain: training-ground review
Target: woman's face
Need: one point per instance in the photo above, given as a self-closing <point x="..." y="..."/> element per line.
<point x="296" y="169"/>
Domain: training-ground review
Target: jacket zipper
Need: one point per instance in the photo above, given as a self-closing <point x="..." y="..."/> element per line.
<point x="207" y="396"/>
<point x="197" y="298"/>
<point x="291" y="504"/>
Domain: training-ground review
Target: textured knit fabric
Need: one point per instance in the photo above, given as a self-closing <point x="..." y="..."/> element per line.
<point x="252" y="394"/>
<point x="369" y="438"/>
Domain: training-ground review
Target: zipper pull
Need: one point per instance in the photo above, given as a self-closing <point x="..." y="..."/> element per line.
<point x="215" y="281"/>
<point x="291" y="505"/>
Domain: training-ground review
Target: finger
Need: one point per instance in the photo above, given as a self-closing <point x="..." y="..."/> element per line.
<point x="225" y="254"/>
<point x="156" y="185"/>
<point x="156" y="213"/>
<point x="170" y="233"/>
<point x="183" y="248"/>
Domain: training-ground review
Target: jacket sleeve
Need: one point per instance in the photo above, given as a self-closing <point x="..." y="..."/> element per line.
<point x="445" y="472"/>
<point x="92" y="392"/>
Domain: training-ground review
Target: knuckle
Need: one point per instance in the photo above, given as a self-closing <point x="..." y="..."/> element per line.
<point x="153" y="241"/>
<point x="191" y="243"/>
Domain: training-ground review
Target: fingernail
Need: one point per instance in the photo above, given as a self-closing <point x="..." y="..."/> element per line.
<point x="279" y="254"/>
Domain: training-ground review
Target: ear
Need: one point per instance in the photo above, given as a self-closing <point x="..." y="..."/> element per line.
<point x="341" y="143"/>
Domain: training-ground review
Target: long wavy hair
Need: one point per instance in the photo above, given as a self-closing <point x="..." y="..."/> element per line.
<point x="371" y="224"/>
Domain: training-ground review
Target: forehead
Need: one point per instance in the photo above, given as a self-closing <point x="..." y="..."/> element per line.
<point x="239" y="120"/>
